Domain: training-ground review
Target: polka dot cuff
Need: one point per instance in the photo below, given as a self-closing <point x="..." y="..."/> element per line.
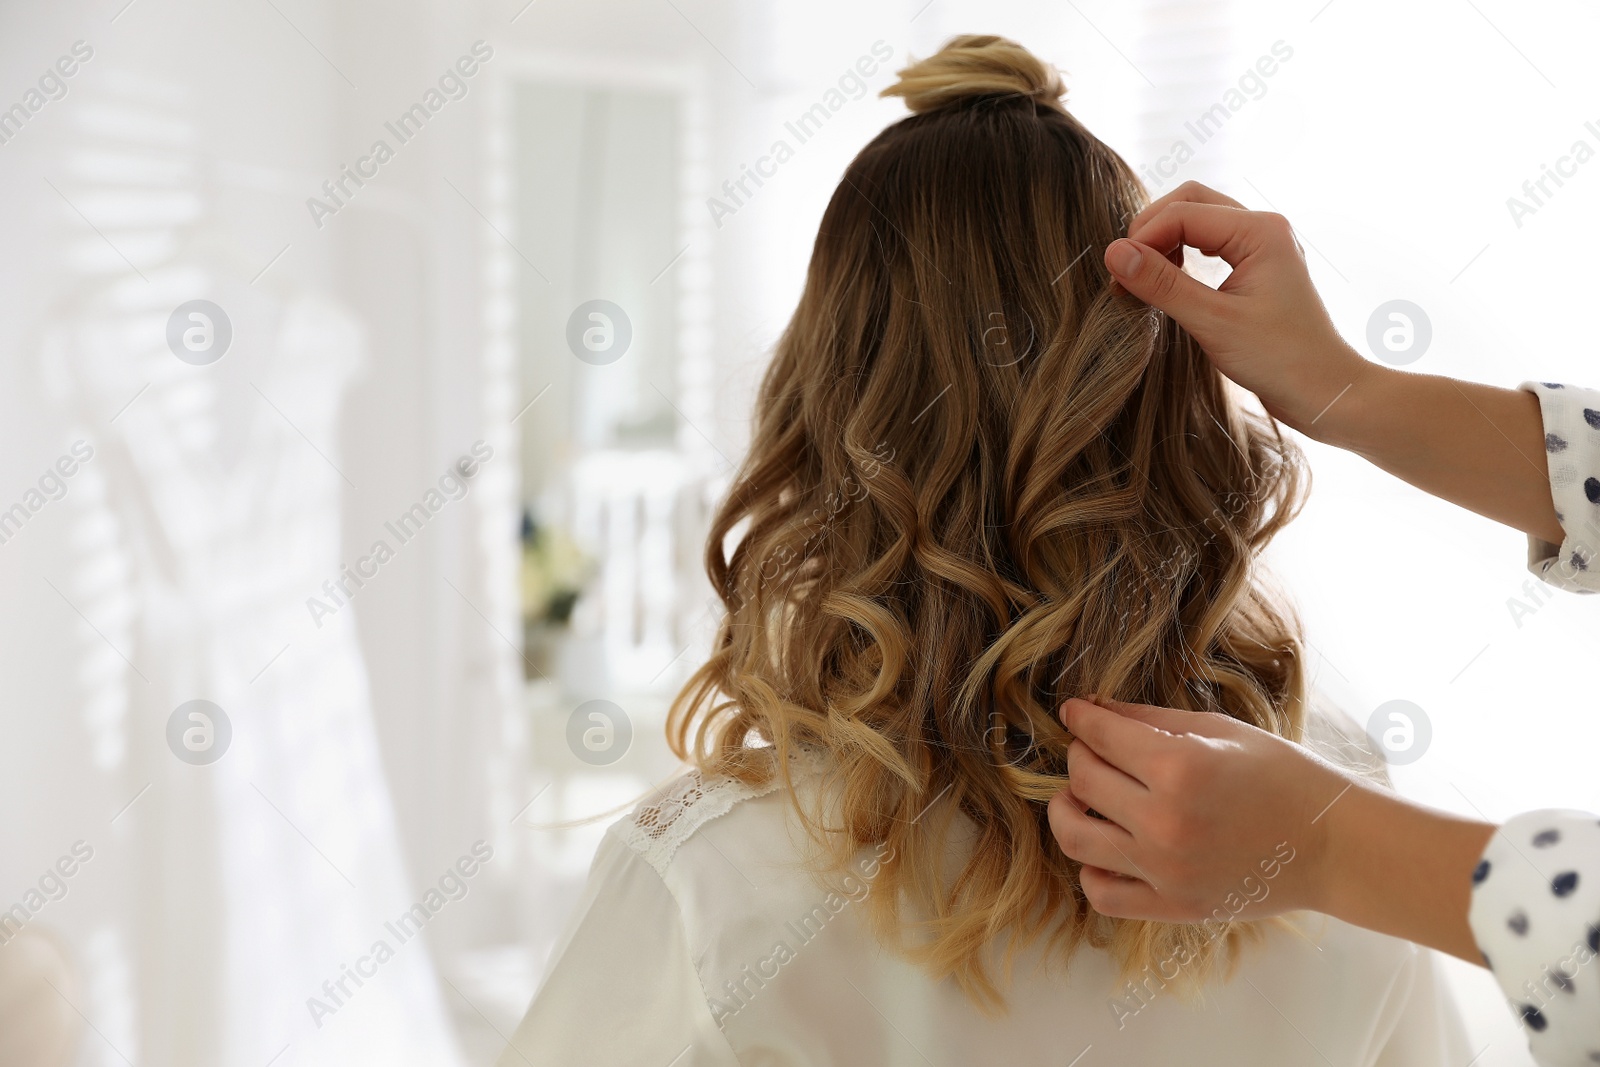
<point x="1572" y="450"/>
<point x="1536" y="917"/>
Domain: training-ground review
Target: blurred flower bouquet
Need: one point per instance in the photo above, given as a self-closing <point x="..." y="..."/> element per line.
<point x="554" y="572"/>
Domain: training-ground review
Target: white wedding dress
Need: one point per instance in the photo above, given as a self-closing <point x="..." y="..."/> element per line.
<point x="227" y="519"/>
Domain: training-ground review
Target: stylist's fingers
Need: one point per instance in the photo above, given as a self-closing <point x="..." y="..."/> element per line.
<point x="1148" y="274"/>
<point x="1189" y="192"/>
<point x="1089" y="840"/>
<point x="1122" y="738"/>
<point x="1174" y="720"/>
<point x="1215" y="230"/>
<point x="1120" y="896"/>
<point x="1103" y="787"/>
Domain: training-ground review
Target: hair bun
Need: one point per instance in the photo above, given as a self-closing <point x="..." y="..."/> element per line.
<point x="971" y="67"/>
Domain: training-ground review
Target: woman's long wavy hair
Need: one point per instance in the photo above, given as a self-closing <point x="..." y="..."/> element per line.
<point x="984" y="479"/>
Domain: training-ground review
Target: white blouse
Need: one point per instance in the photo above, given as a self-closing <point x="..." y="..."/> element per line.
<point x="1536" y="892"/>
<point x="702" y="941"/>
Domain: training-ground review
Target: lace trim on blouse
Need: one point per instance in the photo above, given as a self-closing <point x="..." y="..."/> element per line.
<point x="661" y="824"/>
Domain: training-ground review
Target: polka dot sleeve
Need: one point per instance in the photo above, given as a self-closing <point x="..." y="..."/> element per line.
<point x="1572" y="451"/>
<point x="1536" y="917"/>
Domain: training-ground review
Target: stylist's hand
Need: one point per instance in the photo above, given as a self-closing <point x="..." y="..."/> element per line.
<point x="1264" y="327"/>
<point x="1202" y="808"/>
<point x="1201" y="812"/>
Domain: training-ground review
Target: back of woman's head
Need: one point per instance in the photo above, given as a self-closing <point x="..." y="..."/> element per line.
<point x="984" y="479"/>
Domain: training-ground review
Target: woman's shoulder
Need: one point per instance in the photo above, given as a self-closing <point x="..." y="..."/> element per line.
<point x="740" y="867"/>
<point x="674" y="814"/>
